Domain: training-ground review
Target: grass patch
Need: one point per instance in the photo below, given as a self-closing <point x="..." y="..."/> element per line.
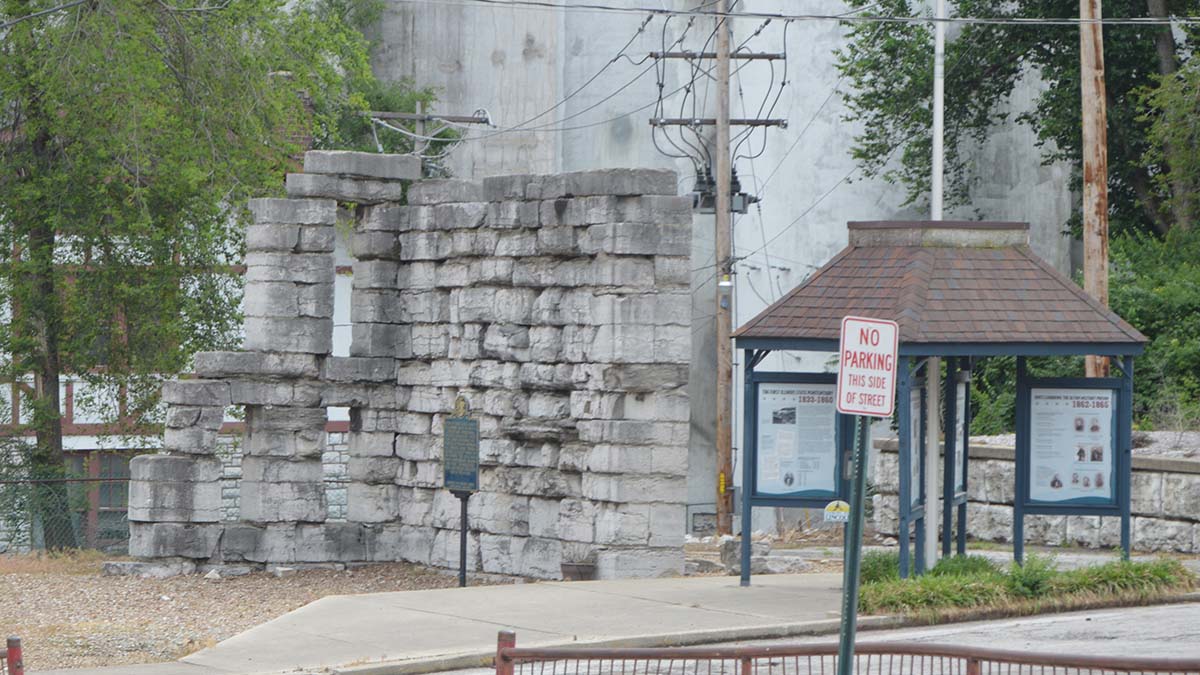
<point x="964" y="584"/>
<point x="879" y="567"/>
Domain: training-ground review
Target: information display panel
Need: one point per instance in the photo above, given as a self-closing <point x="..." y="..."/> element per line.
<point x="1071" y="446"/>
<point x="960" y="437"/>
<point x="797" y="449"/>
<point x="917" y="444"/>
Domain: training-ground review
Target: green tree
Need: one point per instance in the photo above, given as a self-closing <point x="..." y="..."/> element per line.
<point x="131" y="134"/>
<point x="889" y="70"/>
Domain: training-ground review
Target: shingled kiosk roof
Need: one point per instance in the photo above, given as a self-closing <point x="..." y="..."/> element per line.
<point x="973" y="286"/>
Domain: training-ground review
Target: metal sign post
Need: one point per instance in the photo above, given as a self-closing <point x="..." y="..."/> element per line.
<point x="866" y="387"/>
<point x="460" y="469"/>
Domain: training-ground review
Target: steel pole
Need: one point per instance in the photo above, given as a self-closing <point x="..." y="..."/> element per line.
<point x="853" y="559"/>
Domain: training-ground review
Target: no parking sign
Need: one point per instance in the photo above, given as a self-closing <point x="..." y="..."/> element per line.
<point x="866" y="383"/>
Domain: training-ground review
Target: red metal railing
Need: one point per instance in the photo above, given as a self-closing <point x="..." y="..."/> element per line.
<point x="817" y="659"/>
<point x="11" y="662"/>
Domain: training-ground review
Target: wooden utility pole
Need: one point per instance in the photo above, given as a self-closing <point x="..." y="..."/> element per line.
<point x="1095" y="163"/>
<point x="724" y="314"/>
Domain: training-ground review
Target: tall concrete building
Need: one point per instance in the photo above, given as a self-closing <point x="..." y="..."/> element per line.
<point x="574" y="89"/>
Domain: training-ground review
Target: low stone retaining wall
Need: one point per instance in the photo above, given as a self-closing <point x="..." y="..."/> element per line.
<point x="1165" y="503"/>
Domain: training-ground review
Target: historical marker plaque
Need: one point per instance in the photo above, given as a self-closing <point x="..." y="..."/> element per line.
<point x="460" y="452"/>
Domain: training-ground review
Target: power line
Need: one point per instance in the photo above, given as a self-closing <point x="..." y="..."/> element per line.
<point x="9" y="24"/>
<point x="899" y="144"/>
<point x="960" y="20"/>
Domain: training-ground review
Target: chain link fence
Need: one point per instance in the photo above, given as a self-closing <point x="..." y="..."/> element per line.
<point x="64" y="513"/>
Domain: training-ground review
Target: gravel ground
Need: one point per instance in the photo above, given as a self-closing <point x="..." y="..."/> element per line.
<point x="70" y="616"/>
<point x="1174" y="444"/>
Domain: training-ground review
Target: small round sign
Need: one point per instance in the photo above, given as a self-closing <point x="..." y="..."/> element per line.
<point x="837" y="512"/>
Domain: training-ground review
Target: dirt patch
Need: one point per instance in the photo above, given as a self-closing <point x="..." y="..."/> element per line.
<point x="70" y="616"/>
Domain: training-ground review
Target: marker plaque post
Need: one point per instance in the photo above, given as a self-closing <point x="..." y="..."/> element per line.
<point x="866" y="388"/>
<point x="460" y="469"/>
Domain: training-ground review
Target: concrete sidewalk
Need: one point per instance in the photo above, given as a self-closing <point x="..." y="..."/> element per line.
<point x="423" y="631"/>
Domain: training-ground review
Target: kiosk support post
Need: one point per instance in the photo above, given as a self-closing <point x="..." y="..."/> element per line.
<point x="1125" y="458"/>
<point x="854" y="528"/>
<point x="749" y="450"/>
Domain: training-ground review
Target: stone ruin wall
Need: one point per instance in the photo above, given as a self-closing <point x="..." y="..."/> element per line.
<point x="1165" y="503"/>
<point x="558" y="306"/>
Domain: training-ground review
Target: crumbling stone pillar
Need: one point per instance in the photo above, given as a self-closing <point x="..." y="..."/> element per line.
<point x="175" y="497"/>
<point x="289" y="309"/>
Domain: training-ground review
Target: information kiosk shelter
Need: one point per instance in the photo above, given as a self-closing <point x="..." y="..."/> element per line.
<point x="960" y="291"/>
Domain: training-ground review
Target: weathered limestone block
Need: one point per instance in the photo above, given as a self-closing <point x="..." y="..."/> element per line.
<point x="357" y="190"/>
<point x="275" y="393"/>
<point x="363" y="164"/>
<point x="285" y="432"/>
<point x="501" y="554"/>
<point x="999" y="478"/>
<point x="630" y="378"/>
<point x="636" y="459"/>
<point x="442" y="191"/>
<point x="650" y="209"/>
<point x="255" y="364"/>
<point x="385" y="218"/>
<point x="558" y="307"/>
<point x="557" y="241"/>
<point x="497" y="271"/>
<point x="651" y="309"/>
<point x="544" y="272"/>
<point x="426" y="306"/>
<point x="632" y="488"/>
<point x="294" y="211"/>
<point x="359" y="369"/>
<point x="1180" y="495"/>
<point x="445" y="550"/>
<point x="281" y="470"/>
<point x="165" y="540"/>
<point x="464" y="243"/>
<point x="990" y="522"/>
<point x="381" y="339"/>
<point x="633" y="432"/>
<point x="672" y="271"/>
<point x="290" y="238"/>
<point x="1082" y="530"/>
<point x="623" y="524"/>
<point x="299" y="268"/>
<point x="636" y="239"/>
<point x="1158" y="534"/>
<point x="638" y="563"/>
<point x="420" y="246"/>
<point x="886" y="513"/>
<point x="461" y="215"/>
<point x="887" y="473"/>
<point x="372" y="503"/>
<point x="1051" y="530"/>
<point x="208" y="393"/>
<point x="287" y="300"/>
<point x="373" y="470"/>
<point x="277" y="502"/>
<point x="331" y="542"/>
<point x="623" y="271"/>
<point x="668" y="523"/>
<point x="513" y="214"/>
<point x="165" y="488"/>
<point x="516" y="244"/>
<point x="376" y="306"/>
<point x="377" y="245"/>
<point x="541" y="558"/>
<point x="376" y="274"/>
<point x="304" y="335"/>
<point x="183" y="417"/>
<point x="347" y="394"/>
<point x="372" y="444"/>
<point x="620" y="182"/>
<point x="534" y="482"/>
